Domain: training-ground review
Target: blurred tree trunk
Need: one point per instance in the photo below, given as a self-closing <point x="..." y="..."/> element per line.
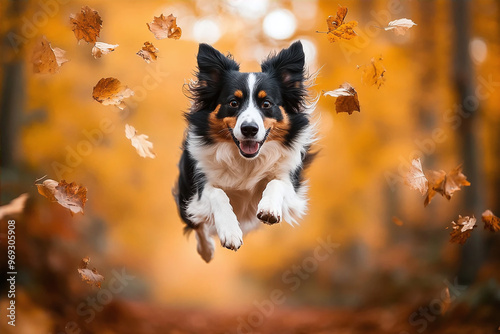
<point x="12" y="95"/>
<point x="472" y="250"/>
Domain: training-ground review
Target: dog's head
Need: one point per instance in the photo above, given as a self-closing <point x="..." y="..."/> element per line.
<point x="248" y="108"/>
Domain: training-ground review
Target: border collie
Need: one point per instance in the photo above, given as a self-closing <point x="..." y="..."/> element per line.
<point x="248" y="142"/>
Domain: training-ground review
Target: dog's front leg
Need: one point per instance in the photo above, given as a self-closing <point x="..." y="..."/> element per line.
<point x="224" y="219"/>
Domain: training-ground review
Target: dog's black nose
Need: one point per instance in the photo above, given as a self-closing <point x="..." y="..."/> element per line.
<point x="249" y="129"/>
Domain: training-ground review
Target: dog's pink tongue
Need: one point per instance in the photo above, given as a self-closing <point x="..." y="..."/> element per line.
<point x="249" y="146"/>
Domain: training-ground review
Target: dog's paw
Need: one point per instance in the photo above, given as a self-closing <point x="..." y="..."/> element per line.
<point x="206" y="249"/>
<point x="268" y="213"/>
<point x="231" y="237"/>
<point x="269" y="217"/>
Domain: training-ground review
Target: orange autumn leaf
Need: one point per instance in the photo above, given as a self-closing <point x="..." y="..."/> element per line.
<point x="148" y="52"/>
<point x="86" y="25"/>
<point x="397" y="221"/>
<point x="373" y="73"/>
<point x="462" y="228"/>
<point x="90" y="276"/>
<point x="68" y="195"/>
<point x="435" y="180"/>
<point x="491" y="222"/>
<point x="337" y="29"/>
<point x="46" y="59"/>
<point x="163" y="27"/>
<point x="415" y="178"/>
<point x="347" y="99"/>
<point x="110" y="91"/>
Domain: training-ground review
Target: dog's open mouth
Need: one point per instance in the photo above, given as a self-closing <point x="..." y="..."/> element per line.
<point x="249" y="148"/>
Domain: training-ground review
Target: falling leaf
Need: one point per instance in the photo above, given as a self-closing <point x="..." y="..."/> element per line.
<point x="148" y="52"/>
<point x="491" y="222"/>
<point x="462" y="229"/>
<point x="415" y="177"/>
<point x="16" y="206"/>
<point x="100" y="49"/>
<point x="347" y="98"/>
<point x="397" y="221"/>
<point x="68" y="195"/>
<point x="47" y="59"/>
<point x="163" y="27"/>
<point x="142" y="145"/>
<point x="90" y="276"/>
<point x="446" y="301"/>
<point x="435" y="180"/>
<point x="337" y="29"/>
<point x="86" y="24"/>
<point x="401" y="26"/>
<point x="109" y="91"/>
<point x="373" y="73"/>
<point x="445" y="183"/>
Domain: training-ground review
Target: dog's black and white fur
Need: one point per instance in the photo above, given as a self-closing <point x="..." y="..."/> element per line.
<point x="247" y="144"/>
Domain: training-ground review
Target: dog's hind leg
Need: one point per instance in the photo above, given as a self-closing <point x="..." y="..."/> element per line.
<point x="206" y="245"/>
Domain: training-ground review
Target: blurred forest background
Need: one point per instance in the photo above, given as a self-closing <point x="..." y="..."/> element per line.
<point x="392" y="269"/>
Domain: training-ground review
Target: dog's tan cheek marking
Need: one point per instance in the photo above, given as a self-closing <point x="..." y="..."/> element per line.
<point x="238" y="94"/>
<point x="262" y="94"/>
<point x="280" y="128"/>
<point x="218" y="129"/>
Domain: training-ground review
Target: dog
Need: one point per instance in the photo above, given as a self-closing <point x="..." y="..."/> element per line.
<point x="246" y="147"/>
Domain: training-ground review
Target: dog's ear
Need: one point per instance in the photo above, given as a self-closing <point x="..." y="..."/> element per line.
<point x="212" y="64"/>
<point x="288" y="64"/>
<point x="288" y="67"/>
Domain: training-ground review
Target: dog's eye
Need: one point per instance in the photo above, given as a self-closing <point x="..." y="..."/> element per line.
<point x="266" y="105"/>
<point x="234" y="104"/>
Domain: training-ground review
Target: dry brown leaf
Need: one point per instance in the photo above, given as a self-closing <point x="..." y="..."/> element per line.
<point x="462" y="229"/>
<point x="163" y="27"/>
<point x="90" y="276"/>
<point x="68" y="195"/>
<point x="435" y="180"/>
<point x="101" y="48"/>
<point x="347" y="99"/>
<point x="373" y="73"/>
<point x="415" y="177"/>
<point x="143" y="146"/>
<point x="454" y="181"/>
<point x="47" y="59"/>
<point x="337" y="29"/>
<point x="110" y="91"/>
<point x="16" y="206"/>
<point x="148" y="52"/>
<point x="491" y="222"/>
<point x="401" y="26"/>
<point x="86" y="24"/>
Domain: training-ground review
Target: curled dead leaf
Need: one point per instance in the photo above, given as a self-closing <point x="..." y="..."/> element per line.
<point x="101" y="48"/>
<point x="373" y="73"/>
<point x="165" y="27"/>
<point x="90" y="276"/>
<point x="445" y="184"/>
<point x="46" y="59"/>
<point x="337" y="29"/>
<point x="86" y="25"/>
<point x="110" y="91"/>
<point x="401" y="26"/>
<point x="148" y="52"/>
<point x="462" y="228"/>
<point x="14" y="207"/>
<point x="347" y="98"/>
<point x="143" y="146"/>
<point x="491" y="222"/>
<point x="68" y="195"/>
<point x="415" y="178"/>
